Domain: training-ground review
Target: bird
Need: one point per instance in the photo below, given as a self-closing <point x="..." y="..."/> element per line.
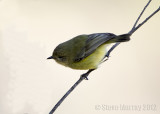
<point x="86" y="51"/>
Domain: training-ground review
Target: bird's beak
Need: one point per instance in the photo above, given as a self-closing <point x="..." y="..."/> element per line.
<point x="51" y="57"/>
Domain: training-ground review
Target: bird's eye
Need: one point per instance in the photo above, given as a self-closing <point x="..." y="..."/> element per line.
<point x="62" y="58"/>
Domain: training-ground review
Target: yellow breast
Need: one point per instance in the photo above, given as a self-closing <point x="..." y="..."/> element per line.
<point x="92" y="61"/>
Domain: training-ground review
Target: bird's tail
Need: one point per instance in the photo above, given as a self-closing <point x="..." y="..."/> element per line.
<point x="121" y="38"/>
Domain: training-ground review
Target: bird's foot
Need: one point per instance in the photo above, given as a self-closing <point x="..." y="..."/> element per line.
<point x="84" y="76"/>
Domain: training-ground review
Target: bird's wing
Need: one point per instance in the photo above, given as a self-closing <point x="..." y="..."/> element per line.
<point x="92" y="43"/>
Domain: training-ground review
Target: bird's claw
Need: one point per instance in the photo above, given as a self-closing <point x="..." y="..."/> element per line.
<point x="84" y="76"/>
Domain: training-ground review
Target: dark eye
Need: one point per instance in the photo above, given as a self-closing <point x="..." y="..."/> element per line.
<point x="62" y="58"/>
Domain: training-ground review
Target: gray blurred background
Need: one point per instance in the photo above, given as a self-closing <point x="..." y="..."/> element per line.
<point x="31" y="29"/>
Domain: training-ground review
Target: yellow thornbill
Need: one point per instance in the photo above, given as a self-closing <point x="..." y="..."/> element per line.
<point x="85" y="51"/>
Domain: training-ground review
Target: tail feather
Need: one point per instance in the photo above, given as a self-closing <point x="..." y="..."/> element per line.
<point x="121" y="38"/>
